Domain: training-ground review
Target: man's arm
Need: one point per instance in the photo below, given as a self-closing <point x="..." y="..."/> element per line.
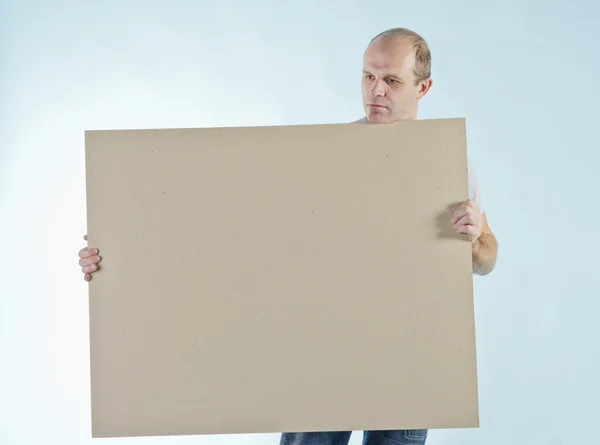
<point x="485" y="249"/>
<point x="469" y="220"/>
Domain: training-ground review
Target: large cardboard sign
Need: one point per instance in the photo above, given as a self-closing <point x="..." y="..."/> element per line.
<point x="270" y="279"/>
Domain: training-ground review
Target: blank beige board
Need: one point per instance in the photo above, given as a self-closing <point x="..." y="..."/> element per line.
<point x="288" y="278"/>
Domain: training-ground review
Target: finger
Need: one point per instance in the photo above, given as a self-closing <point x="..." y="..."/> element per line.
<point x="459" y="213"/>
<point x="85" y="237"/>
<point x="468" y="206"/>
<point x="87" y="252"/>
<point x="466" y="219"/>
<point x="465" y="229"/>
<point x="89" y="260"/>
<point x="87" y="277"/>
<point x="471" y="231"/>
<point x="89" y="268"/>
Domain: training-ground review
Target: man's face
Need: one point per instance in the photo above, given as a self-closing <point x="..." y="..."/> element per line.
<point x="389" y="92"/>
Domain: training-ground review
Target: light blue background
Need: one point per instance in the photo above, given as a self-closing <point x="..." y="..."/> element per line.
<point x="524" y="74"/>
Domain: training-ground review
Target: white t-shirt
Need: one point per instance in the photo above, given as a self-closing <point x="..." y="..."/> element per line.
<point x="474" y="187"/>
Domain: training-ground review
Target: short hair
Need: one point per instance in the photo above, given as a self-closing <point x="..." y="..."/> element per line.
<point x="422" y="69"/>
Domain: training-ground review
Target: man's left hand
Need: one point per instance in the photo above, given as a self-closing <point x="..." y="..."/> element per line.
<point x="467" y="220"/>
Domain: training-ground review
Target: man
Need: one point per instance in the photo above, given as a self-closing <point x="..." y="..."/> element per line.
<point x="396" y="76"/>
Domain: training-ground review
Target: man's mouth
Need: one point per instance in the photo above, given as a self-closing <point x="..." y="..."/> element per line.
<point x="376" y="106"/>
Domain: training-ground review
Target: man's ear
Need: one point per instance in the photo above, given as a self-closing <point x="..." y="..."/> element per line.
<point x="424" y="87"/>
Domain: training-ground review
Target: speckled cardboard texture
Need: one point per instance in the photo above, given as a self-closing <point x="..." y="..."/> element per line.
<point x="287" y="278"/>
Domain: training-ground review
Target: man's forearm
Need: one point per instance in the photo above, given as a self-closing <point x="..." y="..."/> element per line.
<point x="485" y="250"/>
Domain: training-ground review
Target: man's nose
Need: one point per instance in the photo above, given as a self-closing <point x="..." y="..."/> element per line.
<point x="378" y="88"/>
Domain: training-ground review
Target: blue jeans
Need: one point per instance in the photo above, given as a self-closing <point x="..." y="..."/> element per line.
<point x="388" y="437"/>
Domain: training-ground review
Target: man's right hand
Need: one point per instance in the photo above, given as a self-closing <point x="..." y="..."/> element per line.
<point x="88" y="260"/>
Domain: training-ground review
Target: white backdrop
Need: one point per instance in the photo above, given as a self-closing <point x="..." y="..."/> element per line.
<point x="524" y="74"/>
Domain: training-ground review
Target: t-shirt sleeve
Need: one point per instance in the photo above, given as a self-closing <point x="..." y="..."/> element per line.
<point x="474" y="187"/>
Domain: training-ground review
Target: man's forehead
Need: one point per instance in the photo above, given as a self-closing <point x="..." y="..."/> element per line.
<point x="382" y="55"/>
<point x="387" y="64"/>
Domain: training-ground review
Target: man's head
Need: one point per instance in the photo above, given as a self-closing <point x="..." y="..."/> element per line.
<point x="396" y="75"/>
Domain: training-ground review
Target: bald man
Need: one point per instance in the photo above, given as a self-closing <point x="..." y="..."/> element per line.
<point x="396" y="76"/>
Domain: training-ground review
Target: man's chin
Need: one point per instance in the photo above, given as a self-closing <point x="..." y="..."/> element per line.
<point x="378" y="118"/>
